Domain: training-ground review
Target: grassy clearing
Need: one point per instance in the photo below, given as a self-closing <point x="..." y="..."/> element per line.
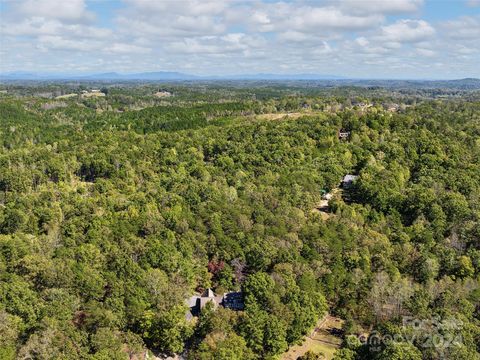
<point x="324" y="339"/>
<point x="322" y="206"/>
<point x="278" y="116"/>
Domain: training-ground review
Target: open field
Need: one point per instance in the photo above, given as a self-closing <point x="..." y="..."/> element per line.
<point x="278" y="116"/>
<point x="322" y="206"/>
<point x="323" y="339"/>
<point x="67" y="96"/>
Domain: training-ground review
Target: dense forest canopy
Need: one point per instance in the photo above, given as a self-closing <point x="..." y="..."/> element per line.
<point x="114" y="210"/>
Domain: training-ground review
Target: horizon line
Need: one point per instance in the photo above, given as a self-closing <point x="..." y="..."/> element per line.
<point x="43" y="76"/>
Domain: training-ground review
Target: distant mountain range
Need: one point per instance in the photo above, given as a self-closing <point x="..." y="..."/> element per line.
<point x="323" y="80"/>
<point x="162" y="75"/>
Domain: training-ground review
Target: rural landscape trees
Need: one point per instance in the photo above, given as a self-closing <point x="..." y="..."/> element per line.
<point x="113" y="211"/>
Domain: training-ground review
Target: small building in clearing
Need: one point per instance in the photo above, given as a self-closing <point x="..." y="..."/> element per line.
<point x="343" y="134"/>
<point x="327" y="196"/>
<point x="163" y="93"/>
<point x="93" y="93"/>
<point x="348" y="180"/>
<point x="231" y="300"/>
<point x="99" y="94"/>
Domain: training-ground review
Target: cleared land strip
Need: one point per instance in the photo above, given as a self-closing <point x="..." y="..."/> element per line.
<point x="278" y="116"/>
<point x="324" y="339"/>
<point x="322" y="206"/>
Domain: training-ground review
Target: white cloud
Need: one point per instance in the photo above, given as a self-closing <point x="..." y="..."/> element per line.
<point x="461" y="49"/>
<point x="185" y="7"/>
<point x="393" y="7"/>
<point x="362" y="41"/>
<point x="323" y="49"/>
<point x="172" y="19"/>
<point x="346" y="37"/>
<point x="127" y="49"/>
<point x="38" y="26"/>
<point x="407" y="31"/>
<point x="426" y="52"/>
<point x="295" y="17"/>
<point x="33" y="26"/>
<point x="56" y="42"/>
<point x="229" y="43"/>
<point x="466" y="27"/>
<point x="260" y="17"/>
<point x="318" y="19"/>
<point x="66" y="10"/>
<point x="296" y="36"/>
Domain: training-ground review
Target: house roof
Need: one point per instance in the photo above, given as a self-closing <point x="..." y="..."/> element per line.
<point x="349" y="178"/>
<point x="208" y="293"/>
<point x="205" y="300"/>
<point x="233" y="300"/>
<point x="192" y="301"/>
<point x="188" y="316"/>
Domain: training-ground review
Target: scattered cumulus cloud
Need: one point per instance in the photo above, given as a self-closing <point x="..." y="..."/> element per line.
<point x="68" y="10"/>
<point x="407" y="31"/>
<point x="395" y="38"/>
<point x="127" y="49"/>
<point x="426" y="52"/>
<point x="466" y="27"/>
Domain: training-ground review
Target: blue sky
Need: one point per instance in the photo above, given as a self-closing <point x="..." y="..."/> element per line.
<point x="354" y="38"/>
